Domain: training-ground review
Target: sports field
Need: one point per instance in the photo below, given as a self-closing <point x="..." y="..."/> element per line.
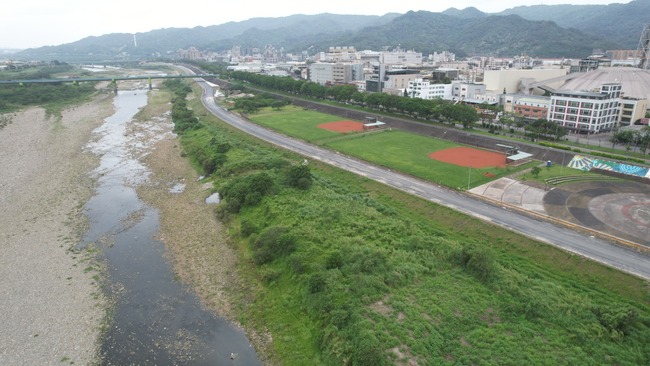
<point x="432" y="159"/>
<point x="416" y="155"/>
<point x="297" y="122"/>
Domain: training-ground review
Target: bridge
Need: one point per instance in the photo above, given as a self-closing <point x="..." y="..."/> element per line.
<point x="113" y="80"/>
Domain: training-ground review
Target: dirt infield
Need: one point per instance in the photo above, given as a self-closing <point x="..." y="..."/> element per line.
<point x="342" y="126"/>
<point x="467" y="156"/>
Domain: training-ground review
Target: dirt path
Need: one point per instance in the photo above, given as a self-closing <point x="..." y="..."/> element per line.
<point x="51" y="304"/>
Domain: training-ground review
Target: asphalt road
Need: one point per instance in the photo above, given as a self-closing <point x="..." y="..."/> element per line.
<point x="622" y="258"/>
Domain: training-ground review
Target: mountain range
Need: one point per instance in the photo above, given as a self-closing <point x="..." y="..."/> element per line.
<point x="541" y="31"/>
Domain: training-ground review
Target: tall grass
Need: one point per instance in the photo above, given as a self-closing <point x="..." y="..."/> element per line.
<point x="350" y="271"/>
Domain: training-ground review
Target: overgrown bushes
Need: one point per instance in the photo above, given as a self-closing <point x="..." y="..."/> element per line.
<point x="344" y="276"/>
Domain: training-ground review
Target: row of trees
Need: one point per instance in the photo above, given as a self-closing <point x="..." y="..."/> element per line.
<point x="436" y="109"/>
<point x="639" y="139"/>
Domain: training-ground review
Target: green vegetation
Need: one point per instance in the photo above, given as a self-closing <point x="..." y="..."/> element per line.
<point x="409" y="153"/>
<point x="297" y="122"/>
<point x="399" y="150"/>
<point x="50" y="95"/>
<point x="557" y="175"/>
<point x="615" y="156"/>
<point x="349" y="271"/>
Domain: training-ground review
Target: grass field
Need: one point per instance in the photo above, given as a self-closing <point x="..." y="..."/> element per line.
<point x="296" y="122"/>
<point x="377" y="276"/>
<point x="399" y="150"/>
<point x="408" y="153"/>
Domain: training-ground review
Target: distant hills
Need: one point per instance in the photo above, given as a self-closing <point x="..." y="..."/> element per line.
<point x="539" y="31"/>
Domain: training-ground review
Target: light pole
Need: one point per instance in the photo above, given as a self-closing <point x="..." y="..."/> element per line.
<point x="469" y="177"/>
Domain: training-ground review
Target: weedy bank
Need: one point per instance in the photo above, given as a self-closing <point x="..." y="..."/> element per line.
<point x="343" y="270"/>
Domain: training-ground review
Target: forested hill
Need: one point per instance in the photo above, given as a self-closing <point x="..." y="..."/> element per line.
<point x="256" y="32"/>
<point x="619" y="23"/>
<point x="495" y="35"/>
<point x="540" y="31"/>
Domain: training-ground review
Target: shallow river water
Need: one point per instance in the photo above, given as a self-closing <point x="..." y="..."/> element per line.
<point x="156" y="319"/>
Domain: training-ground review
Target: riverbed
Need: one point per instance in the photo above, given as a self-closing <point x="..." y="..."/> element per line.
<point x="156" y="318"/>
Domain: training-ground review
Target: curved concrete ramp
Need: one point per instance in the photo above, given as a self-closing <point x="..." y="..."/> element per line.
<point x="513" y="192"/>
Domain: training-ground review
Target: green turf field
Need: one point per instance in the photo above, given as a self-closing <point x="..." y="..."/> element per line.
<point x="399" y="150"/>
<point x="409" y="153"/>
<point x="297" y="122"/>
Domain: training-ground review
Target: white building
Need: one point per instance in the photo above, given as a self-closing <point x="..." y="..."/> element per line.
<point x="423" y="89"/>
<point x="444" y="56"/>
<point x="586" y="112"/>
<point x="403" y="58"/>
<point x="467" y="90"/>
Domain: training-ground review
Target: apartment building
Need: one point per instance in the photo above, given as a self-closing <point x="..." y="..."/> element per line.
<point x="423" y="89"/>
<point x="586" y="112"/>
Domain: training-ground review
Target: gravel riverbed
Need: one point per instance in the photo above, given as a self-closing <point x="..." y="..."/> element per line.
<point x="51" y="302"/>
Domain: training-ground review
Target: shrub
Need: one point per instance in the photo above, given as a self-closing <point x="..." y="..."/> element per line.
<point x="479" y="260"/>
<point x="272" y="243"/>
<point x="299" y="176"/>
<point x="368" y="351"/>
<point x="246" y="190"/>
<point x="317" y="282"/>
<point x="616" y="319"/>
<point x="247" y="227"/>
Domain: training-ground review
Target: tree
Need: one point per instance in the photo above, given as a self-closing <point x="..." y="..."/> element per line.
<point x="299" y="176"/>
<point x="465" y="114"/>
<point x="535" y="171"/>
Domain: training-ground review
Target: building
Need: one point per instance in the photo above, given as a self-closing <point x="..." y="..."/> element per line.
<point x="423" y="89"/>
<point x="636" y="82"/>
<point x="514" y="80"/>
<point x="396" y="81"/>
<point x="335" y="72"/>
<point x="444" y="56"/>
<point x="632" y="110"/>
<point x="442" y="73"/>
<point x="586" y="112"/>
<point x="388" y="80"/>
<point x="402" y="58"/>
<point x="531" y="107"/>
<point x="593" y="62"/>
<point x="467" y="90"/>
<point x="348" y="54"/>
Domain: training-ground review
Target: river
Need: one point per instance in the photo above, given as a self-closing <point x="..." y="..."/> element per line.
<point x="155" y="320"/>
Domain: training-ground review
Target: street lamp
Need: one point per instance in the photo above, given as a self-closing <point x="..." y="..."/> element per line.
<point x="469" y="177"/>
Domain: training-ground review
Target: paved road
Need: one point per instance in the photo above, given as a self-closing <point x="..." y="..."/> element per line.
<point x="622" y="258"/>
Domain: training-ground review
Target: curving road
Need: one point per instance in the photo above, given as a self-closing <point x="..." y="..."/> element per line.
<point x="622" y="258"/>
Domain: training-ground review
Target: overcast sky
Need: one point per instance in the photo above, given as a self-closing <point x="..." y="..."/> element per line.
<point x="36" y="23"/>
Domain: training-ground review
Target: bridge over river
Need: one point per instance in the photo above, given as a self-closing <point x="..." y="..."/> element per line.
<point x="112" y="79"/>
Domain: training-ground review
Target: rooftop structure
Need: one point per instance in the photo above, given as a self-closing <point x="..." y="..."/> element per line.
<point x="635" y="82"/>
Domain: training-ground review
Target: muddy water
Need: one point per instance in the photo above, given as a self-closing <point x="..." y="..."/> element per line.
<point x="156" y="320"/>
